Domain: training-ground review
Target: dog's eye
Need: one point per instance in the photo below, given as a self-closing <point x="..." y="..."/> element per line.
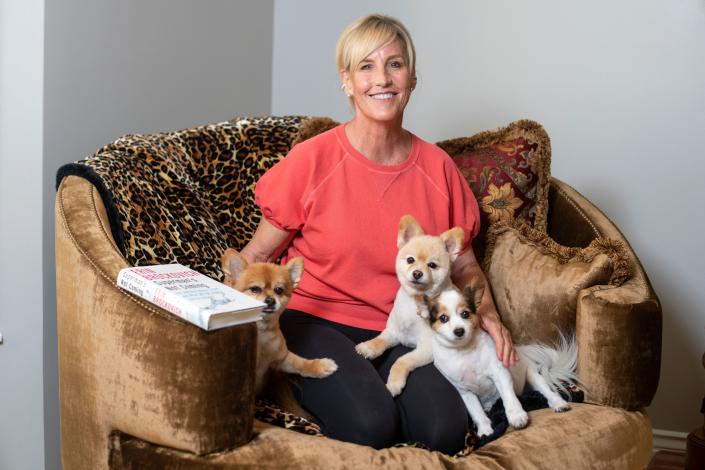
<point x="443" y="318"/>
<point x="279" y="290"/>
<point x="465" y="314"/>
<point x="410" y="260"/>
<point x="255" y="289"/>
<point x="432" y="265"/>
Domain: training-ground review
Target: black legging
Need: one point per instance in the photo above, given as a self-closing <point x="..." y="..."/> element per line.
<point x="354" y="405"/>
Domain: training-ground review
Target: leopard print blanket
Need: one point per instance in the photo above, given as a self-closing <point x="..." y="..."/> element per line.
<point x="186" y="196"/>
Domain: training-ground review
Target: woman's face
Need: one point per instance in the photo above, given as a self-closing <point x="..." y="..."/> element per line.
<point x="381" y="83"/>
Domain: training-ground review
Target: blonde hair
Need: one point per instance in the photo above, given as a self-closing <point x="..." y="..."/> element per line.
<point x="368" y="33"/>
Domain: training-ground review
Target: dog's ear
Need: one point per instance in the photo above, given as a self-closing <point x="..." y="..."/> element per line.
<point x="427" y="306"/>
<point x="233" y="263"/>
<point x="408" y="229"/>
<point x="473" y="292"/>
<point x="295" y="266"/>
<point x="453" y="239"/>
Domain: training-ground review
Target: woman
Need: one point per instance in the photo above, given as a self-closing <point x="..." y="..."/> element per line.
<point x="336" y="200"/>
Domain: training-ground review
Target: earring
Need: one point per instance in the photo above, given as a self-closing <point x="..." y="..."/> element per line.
<point x="345" y="90"/>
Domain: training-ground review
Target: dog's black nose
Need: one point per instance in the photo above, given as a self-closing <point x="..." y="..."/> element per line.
<point x="417" y="274"/>
<point x="459" y="332"/>
<point x="270" y="302"/>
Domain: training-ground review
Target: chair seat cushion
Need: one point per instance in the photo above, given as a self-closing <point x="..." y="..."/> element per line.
<point x="587" y="436"/>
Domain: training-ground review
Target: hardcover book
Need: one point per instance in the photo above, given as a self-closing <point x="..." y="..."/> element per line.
<point x="191" y="295"/>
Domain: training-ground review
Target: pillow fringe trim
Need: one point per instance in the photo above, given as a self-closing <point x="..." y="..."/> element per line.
<point x="614" y="249"/>
<point x="313" y="126"/>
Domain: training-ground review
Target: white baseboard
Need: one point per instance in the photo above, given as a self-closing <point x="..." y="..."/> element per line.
<point x="669" y="440"/>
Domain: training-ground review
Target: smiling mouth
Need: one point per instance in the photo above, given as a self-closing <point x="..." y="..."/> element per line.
<point x="383" y="96"/>
<point x="269" y="310"/>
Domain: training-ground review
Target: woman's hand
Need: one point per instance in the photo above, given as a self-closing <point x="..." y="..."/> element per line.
<point x="466" y="268"/>
<point x="490" y="322"/>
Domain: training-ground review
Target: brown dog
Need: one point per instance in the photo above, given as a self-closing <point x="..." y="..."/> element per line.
<point x="273" y="284"/>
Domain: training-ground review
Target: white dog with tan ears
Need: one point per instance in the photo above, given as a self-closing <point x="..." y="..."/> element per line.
<point x="466" y="355"/>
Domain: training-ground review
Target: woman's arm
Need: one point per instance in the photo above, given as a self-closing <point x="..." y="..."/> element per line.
<point x="267" y="243"/>
<point x="465" y="268"/>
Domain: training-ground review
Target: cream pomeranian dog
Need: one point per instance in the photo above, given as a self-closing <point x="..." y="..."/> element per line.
<point x="466" y="355"/>
<point x="273" y="284"/>
<point x="423" y="266"/>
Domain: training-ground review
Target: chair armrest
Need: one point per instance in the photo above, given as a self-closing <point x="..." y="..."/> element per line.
<point x="127" y="365"/>
<point x="618" y="329"/>
<point x="618" y="332"/>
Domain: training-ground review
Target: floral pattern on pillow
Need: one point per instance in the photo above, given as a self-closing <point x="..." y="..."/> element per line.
<point x="504" y="179"/>
<point x="508" y="170"/>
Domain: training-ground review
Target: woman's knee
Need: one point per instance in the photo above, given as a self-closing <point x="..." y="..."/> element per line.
<point x="445" y="434"/>
<point x="375" y="426"/>
<point x="359" y="409"/>
<point x="352" y="404"/>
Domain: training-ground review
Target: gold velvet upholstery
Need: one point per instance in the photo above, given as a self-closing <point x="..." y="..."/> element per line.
<point x="599" y="438"/>
<point x="127" y="365"/>
<point x="142" y="389"/>
<point x="535" y="281"/>
<point x="618" y="329"/>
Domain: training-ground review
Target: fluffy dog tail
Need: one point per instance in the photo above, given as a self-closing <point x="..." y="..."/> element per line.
<point x="555" y="364"/>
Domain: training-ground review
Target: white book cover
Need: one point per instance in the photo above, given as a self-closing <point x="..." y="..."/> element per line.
<point x="191" y="295"/>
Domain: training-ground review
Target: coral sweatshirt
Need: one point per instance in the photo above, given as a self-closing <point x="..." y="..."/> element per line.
<point x="344" y="211"/>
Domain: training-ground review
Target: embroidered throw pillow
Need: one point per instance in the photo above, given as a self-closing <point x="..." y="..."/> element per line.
<point x="536" y="282"/>
<point x="508" y="170"/>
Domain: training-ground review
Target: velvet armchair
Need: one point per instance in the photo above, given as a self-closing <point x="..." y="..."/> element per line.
<point x="140" y="388"/>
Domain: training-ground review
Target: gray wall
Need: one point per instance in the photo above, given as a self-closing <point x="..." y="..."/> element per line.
<point x="107" y="68"/>
<point x="622" y="100"/>
<point x="619" y="86"/>
<point x="21" y="81"/>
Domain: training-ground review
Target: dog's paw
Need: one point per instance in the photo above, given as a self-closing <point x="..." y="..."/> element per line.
<point x="484" y="429"/>
<point x="518" y="419"/>
<point x="363" y="349"/>
<point x="325" y="367"/>
<point x="421" y="306"/>
<point x="395" y="386"/>
<point x="559" y="406"/>
<point x="368" y="350"/>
